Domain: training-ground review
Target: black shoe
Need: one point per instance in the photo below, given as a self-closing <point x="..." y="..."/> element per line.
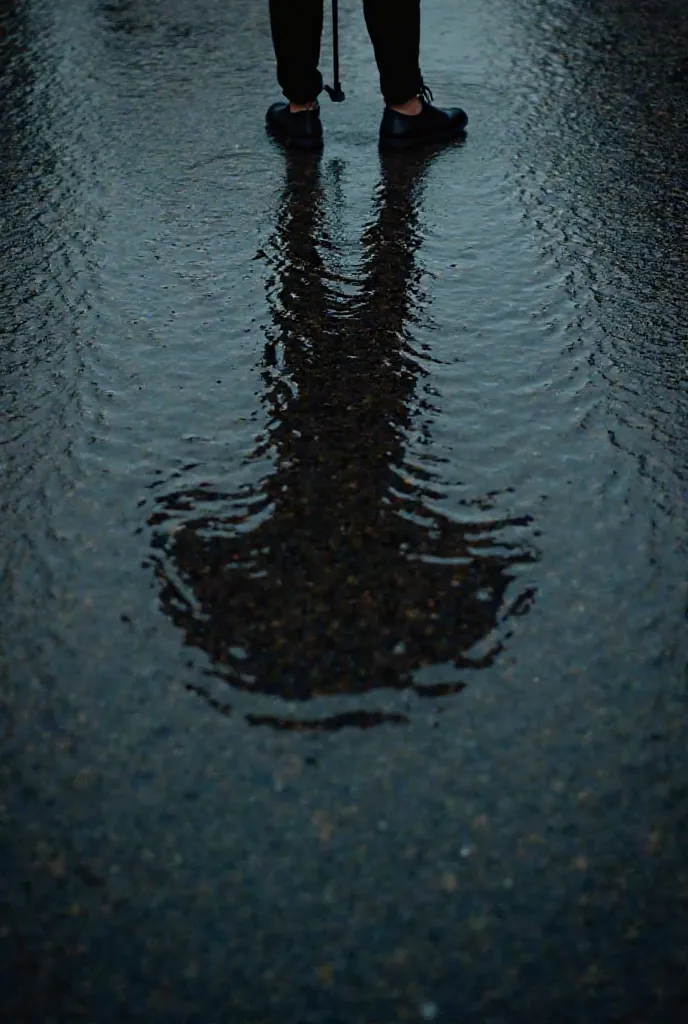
<point x="403" y="131"/>
<point x="298" y="131"/>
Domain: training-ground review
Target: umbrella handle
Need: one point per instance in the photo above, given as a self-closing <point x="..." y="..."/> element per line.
<point x="335" y="93"/>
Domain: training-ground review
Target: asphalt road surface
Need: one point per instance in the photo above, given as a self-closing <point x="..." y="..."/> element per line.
<point x="343" y="524"/>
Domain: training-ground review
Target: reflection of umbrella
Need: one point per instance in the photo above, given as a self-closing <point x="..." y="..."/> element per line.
<point x="335" y="92"/>
<point x="339" y="576"/>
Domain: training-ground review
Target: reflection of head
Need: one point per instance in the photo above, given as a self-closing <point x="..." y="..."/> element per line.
<point x="351" y="583"/>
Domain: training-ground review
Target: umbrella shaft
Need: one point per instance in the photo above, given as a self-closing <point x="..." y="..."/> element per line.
<point x="335" y="40"/>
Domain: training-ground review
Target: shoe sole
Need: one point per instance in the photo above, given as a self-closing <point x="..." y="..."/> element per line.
<point x="292" y="142"/>
<point x="390" y="142"/>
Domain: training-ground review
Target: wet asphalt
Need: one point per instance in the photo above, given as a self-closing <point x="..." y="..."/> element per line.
<point x="343" y="519"/>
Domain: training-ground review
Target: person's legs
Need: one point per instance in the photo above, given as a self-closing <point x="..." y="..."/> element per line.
<point x="296" y="32"/>
<point x="409" y="118"/>
<point x="394" y="30"/>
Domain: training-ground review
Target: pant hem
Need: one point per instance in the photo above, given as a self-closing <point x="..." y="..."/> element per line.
<point x="402" y="94"/>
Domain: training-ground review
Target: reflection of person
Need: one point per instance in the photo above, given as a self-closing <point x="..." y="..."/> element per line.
<point x="409" y="118"/>
<point x="348" y="582"/>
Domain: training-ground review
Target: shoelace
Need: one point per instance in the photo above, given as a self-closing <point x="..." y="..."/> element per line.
<point x="425" y="94"/>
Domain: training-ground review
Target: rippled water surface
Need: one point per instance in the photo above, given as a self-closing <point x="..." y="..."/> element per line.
<point x="342" y="628"/>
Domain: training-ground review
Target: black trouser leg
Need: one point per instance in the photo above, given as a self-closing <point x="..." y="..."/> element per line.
<point x="296" y="30"/>
<point x="394" y="29"/>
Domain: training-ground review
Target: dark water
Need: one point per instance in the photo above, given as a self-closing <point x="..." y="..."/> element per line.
<point x="343" y="619"/>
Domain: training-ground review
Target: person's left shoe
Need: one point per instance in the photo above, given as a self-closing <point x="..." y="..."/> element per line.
<point x="433" y="125"/>
<point x="298" y="131"/>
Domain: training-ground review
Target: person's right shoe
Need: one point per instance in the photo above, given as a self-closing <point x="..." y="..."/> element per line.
<point x="298" y="131"/>
<point x="432" y="125"/>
